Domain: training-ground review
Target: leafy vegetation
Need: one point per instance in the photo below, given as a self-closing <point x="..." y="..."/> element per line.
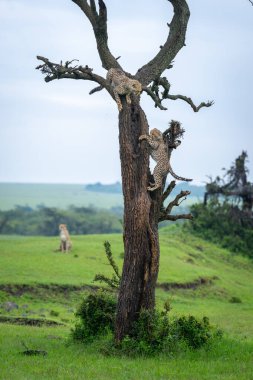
<point x="153" y="332"/>
<point x="223" y="224"/>
<point x="96" y="316"/>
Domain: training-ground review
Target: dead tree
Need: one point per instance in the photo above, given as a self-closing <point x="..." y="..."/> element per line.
<point x="142" y="210"/>
<point x="234" y="184"/>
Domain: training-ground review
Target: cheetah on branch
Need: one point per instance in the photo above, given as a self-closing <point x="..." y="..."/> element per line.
<point x="122" y="85"/>
<point x="159" y="152"/>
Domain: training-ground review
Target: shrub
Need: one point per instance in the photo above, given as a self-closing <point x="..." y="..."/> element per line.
<point x="154" y="332"/>
<point x="194" y="332"/>
<point x="235" y="299"/>
<point x="96" y="316"/>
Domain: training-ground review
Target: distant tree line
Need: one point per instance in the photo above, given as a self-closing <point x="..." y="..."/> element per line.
<point x="100" y="188"/>
<point x="24" y="220"/>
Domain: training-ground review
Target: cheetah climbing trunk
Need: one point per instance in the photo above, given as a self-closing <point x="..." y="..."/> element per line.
<point x="141" y="244"/>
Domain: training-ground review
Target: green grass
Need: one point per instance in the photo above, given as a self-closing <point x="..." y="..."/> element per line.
<point x="54" y="195"/>
<point x="184" y="259"/>
<point x="230" y="360"/>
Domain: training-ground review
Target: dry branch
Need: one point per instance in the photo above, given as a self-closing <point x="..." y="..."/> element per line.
<point x="154" y="92"/>
<point x="59" y="71"/>
<point x="168" y="190"/>
<point x="165" y="212"/>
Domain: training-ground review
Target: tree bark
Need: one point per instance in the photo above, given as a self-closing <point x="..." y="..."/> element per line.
<point x="141" y="212"/>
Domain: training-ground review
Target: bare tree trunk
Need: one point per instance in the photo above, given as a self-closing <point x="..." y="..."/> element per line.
<point x="141" y="243"/>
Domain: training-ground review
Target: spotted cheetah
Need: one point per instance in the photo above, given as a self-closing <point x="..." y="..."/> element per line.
<point x="159" y="152"/>
<point x="65" y="243"/>
<point x="122" y="85"/>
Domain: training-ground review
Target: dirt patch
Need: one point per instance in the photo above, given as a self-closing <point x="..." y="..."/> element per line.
<point x="37" y="289"/>
<point x="29" y="321"/>
<point x="202" y="281"/>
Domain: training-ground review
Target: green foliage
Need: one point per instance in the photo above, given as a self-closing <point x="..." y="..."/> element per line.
<point x="150" y="334"/>
<point x="114" y="281"/>
<point x="45" y="221"/>
<point x="223" y="224"/>
<point x="195" y="333"/>
<point x="154" y="332"/>
<point x="96" y="316"/>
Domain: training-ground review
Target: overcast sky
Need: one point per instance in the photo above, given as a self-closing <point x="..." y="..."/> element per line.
<point x="57" y="132"/>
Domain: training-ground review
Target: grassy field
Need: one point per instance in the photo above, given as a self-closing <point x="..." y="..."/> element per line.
<point x="59" y="196"/>
<point x="44" y="284"/>
<point x="54" y="195"/>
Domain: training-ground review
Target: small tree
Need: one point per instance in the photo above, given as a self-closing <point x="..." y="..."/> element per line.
<point x="142" y="210"/>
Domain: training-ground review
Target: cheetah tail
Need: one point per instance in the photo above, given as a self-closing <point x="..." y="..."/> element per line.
<point x="177" y="177"/>
<point x="99" y="88"/>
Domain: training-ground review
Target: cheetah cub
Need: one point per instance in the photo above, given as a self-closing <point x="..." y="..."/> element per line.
<point x="122" y="85"/>
<point x="159" y="152"/>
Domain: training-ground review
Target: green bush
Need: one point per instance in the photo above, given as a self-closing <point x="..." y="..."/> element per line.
<point x="194" y="332"/>
<point x="96" y="316"/>
<point x="152" y="333"/>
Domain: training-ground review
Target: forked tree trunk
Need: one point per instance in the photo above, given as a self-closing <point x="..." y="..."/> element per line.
<point x="141" y="243"/>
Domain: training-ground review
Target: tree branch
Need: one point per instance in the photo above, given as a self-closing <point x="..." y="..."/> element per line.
<point x="175" y="41"/>
<point x="175" y="202"/>
<point x="168" y="190"/>
<point x="59" y="71"/>
<point x="176" y="217"/>
<point x="154" y="90"/>
<point x="190" y="102"/>
<point x="165" y="212"/>
<point x="154" y="97"/>
<point x="99" y="24"/>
